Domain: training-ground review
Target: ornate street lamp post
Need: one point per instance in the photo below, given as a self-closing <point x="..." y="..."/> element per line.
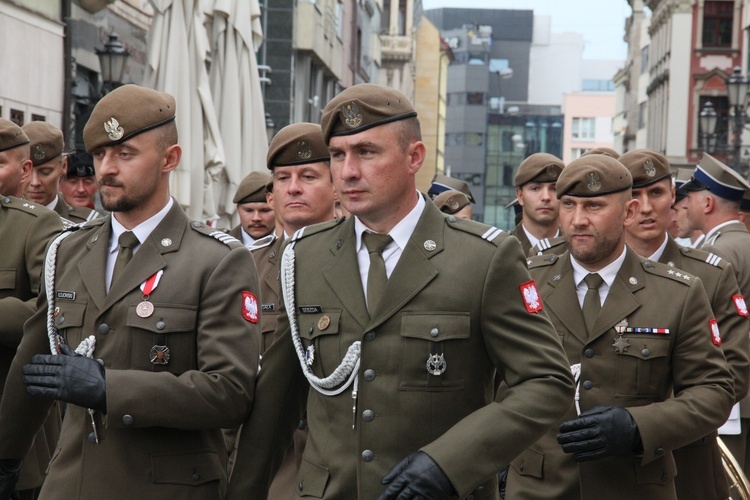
<point x="112" y="59"/>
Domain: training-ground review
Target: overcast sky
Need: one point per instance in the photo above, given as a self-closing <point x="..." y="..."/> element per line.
<point x="602" y="22"/>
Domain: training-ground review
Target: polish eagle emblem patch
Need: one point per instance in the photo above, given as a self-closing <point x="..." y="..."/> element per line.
<point x="249" y="307"/>
<point x="739" y="303"/>
<point x="531" y="298"/>
<point x="715" y="336"/>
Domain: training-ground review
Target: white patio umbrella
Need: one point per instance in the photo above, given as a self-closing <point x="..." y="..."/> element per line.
<point x="177" y="50"/>
<point x="236" y="33"/>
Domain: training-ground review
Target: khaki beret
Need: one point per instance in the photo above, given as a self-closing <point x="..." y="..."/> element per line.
<point x="441" y="183"/>
<point x="46" y="141"/>
<point x="539" y="167"/>
<point x="126" y="112"/>
<point x="252" y="189"/>
<point x="297" y="144"/>
<point x="80" y="164"/>
<point x="603" y="151"/>
<point x="719" y="179"/>
<point x="11" y="135"/>
<point x="647" y="166"/>
<point x="363" y="106"/>
<point x="451" y="201"/>
<point x="593" y="175"/>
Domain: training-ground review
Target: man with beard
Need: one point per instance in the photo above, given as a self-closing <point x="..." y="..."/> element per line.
<point x="700" y="472"/>
<point x="651" y="378"/>
<point x="535" y="191"/>
<point x="257" y="219"/>
<point x="162" y="314"/>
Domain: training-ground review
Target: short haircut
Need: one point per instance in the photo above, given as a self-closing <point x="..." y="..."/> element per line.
<point x="411" y="132"/>
<point x="166" y="135"/>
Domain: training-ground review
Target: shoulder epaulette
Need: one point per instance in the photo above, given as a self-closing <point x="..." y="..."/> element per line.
<point x="546" y="244"/>
<point x="217" y="234"/>
<point x="488" y="233"/>
<point x="541" y="260"/>
<point x="710" y="258"/>
<point x="316" y="228"/>
<point x="666" y="271"/>
<point x="21" y="204"/>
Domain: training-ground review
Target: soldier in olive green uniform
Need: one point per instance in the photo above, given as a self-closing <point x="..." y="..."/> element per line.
<point x="257" y="218"/>
<point x="396" y="372"/>
<point x="700" y="473"/>
<point x="629" y="349"/>
<point x="535" y="191"/>
<point x="50" y="166"/>
<point x="714" y="195"/>
<point x="25" y="230"/>
<point x="163" y="315"/>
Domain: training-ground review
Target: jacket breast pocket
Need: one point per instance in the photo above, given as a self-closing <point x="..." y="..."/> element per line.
<point x="195" y="469"/>
<point x="433" y="347"/>
<point x="321" y="340"/>
<point x="165" y="340"/>
<point x="68" y="318"/>
<point x="643" y="369"/>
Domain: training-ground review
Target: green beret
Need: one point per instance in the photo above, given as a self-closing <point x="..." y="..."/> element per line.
<point x="297" y="144"/>
<point x="46" y="141"/>
<point x="647" y="166"/>
<point x="451" y="201"/>
<point x="603" y="151"/>
<point x="126" y="112"/>
<point x="11" y="135"/>
<point x="441" y="183"/>
<point x="539" y="167"/>
<point x="593" y="175"/>
<point x="80" y="164"/>
<point x="252" y="189"/>
<point x="362" y="107"/>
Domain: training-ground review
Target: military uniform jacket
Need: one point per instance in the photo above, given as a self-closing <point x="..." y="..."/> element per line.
<point x="546" y="246"/>
<point x="25" y="230"/>
<point x="161" y="435"/>
<point x="520" y="234"/>
<point x="267" y="261"/>
<point x="637" y="371"/>
<point x="236" y="231"/>
<point x="455" y="290"/>
<point x="732" y="242"/>
<point x="74" y="214"/>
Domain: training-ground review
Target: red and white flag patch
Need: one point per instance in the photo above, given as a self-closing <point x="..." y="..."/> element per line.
<point x="531" y="298"/>
<point x="739" y="303"/>
<point x="715" y="337"/>
<point x="250" y="307"/>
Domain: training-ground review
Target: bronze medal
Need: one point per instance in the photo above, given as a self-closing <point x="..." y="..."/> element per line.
<point x="621" y="345"/>
<point x="144" y="309"/>
<point x="323" y="322"/>
<point x="159" y="355"/>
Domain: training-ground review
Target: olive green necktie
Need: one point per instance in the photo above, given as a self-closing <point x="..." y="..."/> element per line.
<point x="128" y="242"/>
<point x="591" y="303"/>
<point x="376" y="275"/>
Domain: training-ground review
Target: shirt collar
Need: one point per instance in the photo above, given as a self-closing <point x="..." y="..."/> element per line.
<point x="51" y="205"/>
<point x="659" y="251"/>
<point x="608" y="272"/>
<point x="533" y="239"/>
<point x="141" y="231"/>
<point x="716" y="228"/>
<point x="401" y="232"/>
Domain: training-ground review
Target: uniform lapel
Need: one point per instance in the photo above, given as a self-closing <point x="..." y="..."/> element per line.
<point x="272" y="276"/>
<point x="563" y="301"/>
<point x="342" y="274"/>
<point x="93" y="265"/>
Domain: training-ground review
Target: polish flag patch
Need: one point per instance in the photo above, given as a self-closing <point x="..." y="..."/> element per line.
<point x="715" y="337"/>
<point x="250" y="307"/>
<point x="531" y="298"/>
<point x="739" y="303"/>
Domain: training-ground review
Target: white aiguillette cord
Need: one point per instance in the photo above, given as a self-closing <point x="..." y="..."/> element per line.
<point x="346" y="373"/>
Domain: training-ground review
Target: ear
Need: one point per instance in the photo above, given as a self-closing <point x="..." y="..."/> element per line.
<point x="64" y="169"/>
<point x="172" y="157"/>
<point x="709" y="204"/>
<point x="26" y="167"/>
<point x="519" y="191"/>
<point x="631" y="209"/>
<point x="673" y="191"/>
<point x="417" y="154"/>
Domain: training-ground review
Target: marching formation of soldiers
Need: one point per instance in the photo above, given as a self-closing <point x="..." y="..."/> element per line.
<point x="355" y="338"/>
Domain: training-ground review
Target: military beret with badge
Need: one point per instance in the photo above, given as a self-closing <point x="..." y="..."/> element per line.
<point x="450" y="202"/>
<point x="11" y="135"/>
<point x="593" y="175"/>
<point x="538" y="167"/>
<point x="647" y="166"/>
<point x="297" y="144"/>
<point x="603" y="151"/>
<point x="46" y="141"/>
<point x="252" y="189"/>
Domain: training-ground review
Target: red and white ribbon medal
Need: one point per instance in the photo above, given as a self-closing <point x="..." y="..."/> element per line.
<point x="146" y="308"/>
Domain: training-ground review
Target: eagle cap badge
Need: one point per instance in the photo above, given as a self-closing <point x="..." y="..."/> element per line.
<point x="113" y="129"/>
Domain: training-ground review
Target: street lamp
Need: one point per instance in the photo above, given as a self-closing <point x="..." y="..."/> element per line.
<point x="708" y="121"/>
<point x="737" y="85"/>
<point x="112" y="59"/>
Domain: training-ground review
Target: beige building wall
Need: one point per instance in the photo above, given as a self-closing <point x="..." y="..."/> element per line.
<point x="598" y="109"/>
<point x="429" y="99"/>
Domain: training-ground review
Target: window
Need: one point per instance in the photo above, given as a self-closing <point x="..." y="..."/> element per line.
<point x="644" y="59"/>
<point x="507" y="174"/>
<point x="17" y="117"/>
<point x="475" y="98"/>
<point x="598" y="86"/>
<point x="717" y="23"/>
<point x="339" y="20"/>
<point x="576" y="152"/>
<point x="642" y="115"/>
<point x="583" y="128"/>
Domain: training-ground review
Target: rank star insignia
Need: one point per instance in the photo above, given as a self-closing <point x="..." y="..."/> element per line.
<point x="621" y="345"/>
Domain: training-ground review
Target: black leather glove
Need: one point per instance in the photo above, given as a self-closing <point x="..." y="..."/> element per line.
<point x="600" y="432"/>
<point x="10" y="471"/>
<point x="417" y="476"/>
<point x="67" y="377"/>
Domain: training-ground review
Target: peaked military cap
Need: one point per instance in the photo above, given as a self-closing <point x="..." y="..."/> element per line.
<point x="719" y="179"/>
<point x="647" y="166"/>
<point x="11" y="135"/>
<point x="297" y="144"/>
<point x="539" y="167"/>
<point x="683" y="175"/>
<point x="593" y="175"/>
<point x="603" y="151"/>
<point x="252" y="189"/>
<point x="363" y="106"/>
<point x="46" y="141"/>
<point x="442" y="183"/>
<point x="126" y="112"/>
<point x="451" y="201"/>
<point x="80" y="164"/>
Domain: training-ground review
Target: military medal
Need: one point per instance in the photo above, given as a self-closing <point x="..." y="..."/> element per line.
<point x="436" y="364"/>
<point x="159" y="355"/>
<point x="146" y="308"/>
<point x="621" y="345"/>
